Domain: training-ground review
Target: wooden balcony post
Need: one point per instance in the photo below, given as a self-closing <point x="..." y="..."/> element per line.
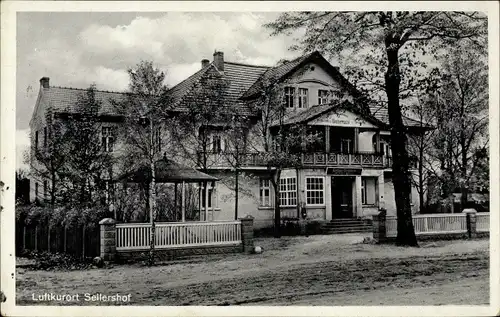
<point x="377" y="141"/>
<point x="183" y="201"/>
<point x="356" y="140"/>
<point x="381" y="190"/>
<point x="206" y="201"/>
<point x="327" y="139"/>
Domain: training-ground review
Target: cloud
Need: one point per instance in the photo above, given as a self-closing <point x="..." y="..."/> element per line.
<point x="184" y="38"/>
<point x="83" y="49"/>
<point x="22" y="145"/>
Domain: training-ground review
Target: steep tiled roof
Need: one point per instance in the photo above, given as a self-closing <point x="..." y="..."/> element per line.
<point x="276" y="73"/>
<point x="239" y="78"/>
<point x="63" y="99"/>
<point x="180" y="90"/>
<point x="382" y="114"/>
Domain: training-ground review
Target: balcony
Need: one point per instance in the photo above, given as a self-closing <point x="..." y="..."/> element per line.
<point x="317" y="159"/>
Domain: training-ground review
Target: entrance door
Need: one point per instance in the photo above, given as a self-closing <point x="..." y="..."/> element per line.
<point x="342" y="197"/>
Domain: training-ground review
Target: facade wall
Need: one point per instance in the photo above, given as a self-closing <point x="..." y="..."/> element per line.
<point x="390" y="201"/>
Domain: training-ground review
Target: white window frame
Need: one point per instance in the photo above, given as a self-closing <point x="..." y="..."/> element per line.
<point x="264" y="187"/>
<point x="323" y="96"/>
<point x="290" y="94"/>
<point x="288" y="191"/>
<point x="303" y="101"/>
<point x="363" y="191"/>
<point x="321" y="192"/>
<point x="220" y="142"/>
<point x="212" y="196"/>
<point x="107" y="138"/>
<point x="45" y="190"/>
<point x="348" y="141"/>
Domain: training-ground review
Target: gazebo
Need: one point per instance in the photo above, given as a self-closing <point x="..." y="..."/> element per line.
<point x="169" y="171"/>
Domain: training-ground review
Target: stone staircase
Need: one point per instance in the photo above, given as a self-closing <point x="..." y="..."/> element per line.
<point x="347" y="225"/>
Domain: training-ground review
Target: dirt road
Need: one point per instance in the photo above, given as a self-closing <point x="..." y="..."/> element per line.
<point x="322" y="270"/>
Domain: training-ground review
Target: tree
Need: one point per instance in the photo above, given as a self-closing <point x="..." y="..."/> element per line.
<point x="463" y="118"/>
<point x="47" y="159"/>
<point x="146" y="111"/>
<point x="236" y="150"/>
<point x="419" y="145"/>
<point x="389" y="36"/>
<point x="281" y="144"/>
<point x="89" y="165"/>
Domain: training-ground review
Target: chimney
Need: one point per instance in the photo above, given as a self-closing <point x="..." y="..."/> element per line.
<point x="204" y="63"/>
<point x="219" y="60"/>
<point x="44" y="82"/>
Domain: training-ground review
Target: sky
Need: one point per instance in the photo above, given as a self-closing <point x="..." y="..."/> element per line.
<point x="80" y="49"/>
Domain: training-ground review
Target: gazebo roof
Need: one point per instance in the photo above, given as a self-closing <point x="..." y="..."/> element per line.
<point x="168" y="171"/>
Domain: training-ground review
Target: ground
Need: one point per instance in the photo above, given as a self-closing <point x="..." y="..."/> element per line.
<point x="315" y="270"/>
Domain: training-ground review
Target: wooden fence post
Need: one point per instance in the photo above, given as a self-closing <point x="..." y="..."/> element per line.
<point x="36" y="237"/>
<point x="24" y="237"/>
<point x="48" y="238"/>
<point x="83" y="242"/>
<point x="379" y="226"/>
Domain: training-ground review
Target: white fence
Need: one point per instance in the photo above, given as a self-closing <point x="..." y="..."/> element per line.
<point x="432" y="223"/>
<point x="483" y="222"/>
<point x="136" y="236"/>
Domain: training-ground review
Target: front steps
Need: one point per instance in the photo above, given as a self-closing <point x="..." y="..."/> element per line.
<point x="347" y="225"/>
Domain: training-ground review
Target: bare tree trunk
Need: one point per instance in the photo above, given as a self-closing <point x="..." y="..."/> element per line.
<point x="152" y="200"/>
<point x="401" y="177"/>
<point x="236" y="189"/>
<point x="277" y="210"/>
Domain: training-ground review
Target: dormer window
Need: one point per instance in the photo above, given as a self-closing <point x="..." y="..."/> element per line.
<point x="289" y="97"/>
<point x="303" y="98"/>
<point x="107" y="139"/>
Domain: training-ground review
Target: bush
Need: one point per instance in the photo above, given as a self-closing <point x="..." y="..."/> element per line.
<point x="57" y="261"/>
<point x="313" y="227"/>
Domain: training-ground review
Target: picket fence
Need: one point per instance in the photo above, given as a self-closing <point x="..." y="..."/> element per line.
<point x="136" y="236"/>
<point x="439" y="223"/>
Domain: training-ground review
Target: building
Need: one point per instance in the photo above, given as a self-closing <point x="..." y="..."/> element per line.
<point x="346" y="175"/>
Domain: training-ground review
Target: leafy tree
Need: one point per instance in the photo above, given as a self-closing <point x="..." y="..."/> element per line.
<point x="420" y="144"/>
<point x="90" y="162"/>
<point x="146" y="112"/>
<point x="462" y="128"/>
<point x="48" y="156"/>
<point x="280" y="144"/>
<point x="393" y="38"/>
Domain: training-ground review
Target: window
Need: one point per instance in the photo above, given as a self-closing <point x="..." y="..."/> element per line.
<point x="303" y="98"/>
<point x="216" y="143"/>
<point x="288" y="191"/>
<point x="45" y="190"/>
<point x="36" y="140"/>
<point x="323" y="97"/>
<point x="315" y="191"/>
<point x="289" y="97"/>
<point x="107" y="139"/>
<point x="211" y="196"/>
<point x="157" y="139"/>
<point x="45" y="137"/>
<point x="363" y="191"/>
<point x="345" y="145"/>
<point x="108" y="191"/>
<point x="265" y="193"/>
<point x="368" y="192"/>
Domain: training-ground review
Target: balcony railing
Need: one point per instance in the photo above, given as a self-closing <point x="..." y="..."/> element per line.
<point x="256" y="159"/>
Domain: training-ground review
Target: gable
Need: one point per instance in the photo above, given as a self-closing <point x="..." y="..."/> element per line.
<point x="342" y="118"/>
